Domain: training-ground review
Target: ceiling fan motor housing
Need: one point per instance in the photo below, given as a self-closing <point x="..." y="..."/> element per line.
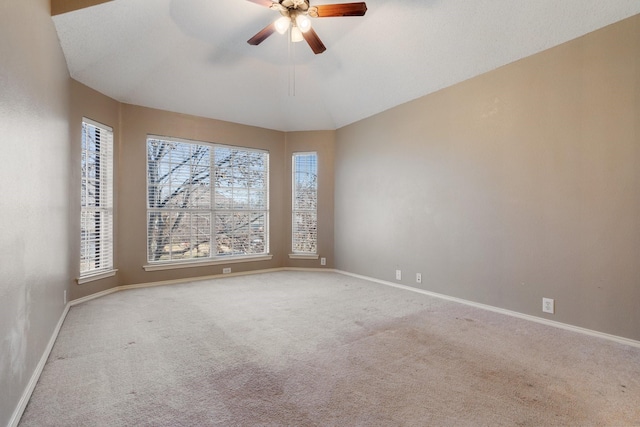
<point x="302" y="5"/>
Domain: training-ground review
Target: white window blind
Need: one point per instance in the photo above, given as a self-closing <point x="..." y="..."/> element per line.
<point x="205" y="200"/>
<point x="305" y="203"/>
<point x="96" y="217"/>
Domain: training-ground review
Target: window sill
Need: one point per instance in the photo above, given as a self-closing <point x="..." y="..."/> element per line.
<point x="199" y="263"/>
<point x="95" y="276"/>
<point x="303" y="256"/>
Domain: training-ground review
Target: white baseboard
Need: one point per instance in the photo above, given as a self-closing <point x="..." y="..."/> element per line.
<point x="187" y="280"/>
<point x="17" y="414"/>
<point x="195" y="279"/>
<point x="26" y="395"/>
<point x="555" y="324"/>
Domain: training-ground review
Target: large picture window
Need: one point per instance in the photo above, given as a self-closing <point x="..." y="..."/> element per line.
<point x="305" y="203"/>
<point x="96" y="214"/>
<point x="205" y="201"/>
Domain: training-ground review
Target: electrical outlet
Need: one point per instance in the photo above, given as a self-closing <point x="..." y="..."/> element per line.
<point x="323" y="261"/>
<point x="226" y="270"/>
<point x="548" y="305"/>
<point x="418" y="277"/>
<point x="398" y="275"/>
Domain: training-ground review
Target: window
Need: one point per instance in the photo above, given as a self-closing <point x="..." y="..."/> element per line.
<point x="205" y="201"/>
<point x="305" y="202"/>
<point x="96" y="217"/>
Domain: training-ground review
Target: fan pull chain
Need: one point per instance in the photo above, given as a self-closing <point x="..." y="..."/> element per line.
<point x="293" y="68"/>
<point x="292" y="65"/>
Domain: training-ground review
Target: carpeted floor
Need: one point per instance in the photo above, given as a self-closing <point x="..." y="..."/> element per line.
<point x="323" y="349"/>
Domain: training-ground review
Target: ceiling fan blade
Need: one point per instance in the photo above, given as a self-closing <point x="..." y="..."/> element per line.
<point x="266" y="3"/>
<point x="342" y="9"/>
<point x="262" y="35"/>
<point x="314" y="41"/>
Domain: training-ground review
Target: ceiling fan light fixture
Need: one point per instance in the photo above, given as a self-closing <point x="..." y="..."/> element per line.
<point x="296" y="34"/>
<point x="295" y="17"/>
<point x="303" y="23"/>
<point x="282" y="24"/>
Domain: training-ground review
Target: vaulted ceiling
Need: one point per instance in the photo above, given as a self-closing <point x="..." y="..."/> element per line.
<point x="192" y="56"/>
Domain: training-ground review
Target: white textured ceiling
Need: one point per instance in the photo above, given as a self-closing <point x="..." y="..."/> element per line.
<point x="191" y="56"/>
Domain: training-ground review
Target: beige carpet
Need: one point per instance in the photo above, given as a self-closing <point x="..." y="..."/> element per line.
<point x="323" y="349"/>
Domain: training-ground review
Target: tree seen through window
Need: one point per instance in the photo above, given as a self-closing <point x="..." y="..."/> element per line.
<point x="205" y="200"/>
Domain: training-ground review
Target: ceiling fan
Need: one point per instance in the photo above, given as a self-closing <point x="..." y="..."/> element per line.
<point x="295" y="15"/>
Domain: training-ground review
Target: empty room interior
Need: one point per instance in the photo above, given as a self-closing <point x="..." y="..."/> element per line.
<point x="415" y="213"/>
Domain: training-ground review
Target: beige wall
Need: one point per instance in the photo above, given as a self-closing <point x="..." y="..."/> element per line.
<point x="32" y="295"/>
<point x="137" y="123"/>
<point x="515" y="185"/>
<point x="131" y="126"/>
<point x="519" y="184"/>
<point x="323" y="143"/>
<point x="86" y="102"/>
<point x="34" y="177"/>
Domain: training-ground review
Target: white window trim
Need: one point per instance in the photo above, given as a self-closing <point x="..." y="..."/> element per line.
<point x="215" y="259"/>
<point x="304" y="256"/>
<point x="172" y="265"/>
<point x="294" y="254"/>
<point x="109" y="270"/>
<point x="97" y="276"/>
